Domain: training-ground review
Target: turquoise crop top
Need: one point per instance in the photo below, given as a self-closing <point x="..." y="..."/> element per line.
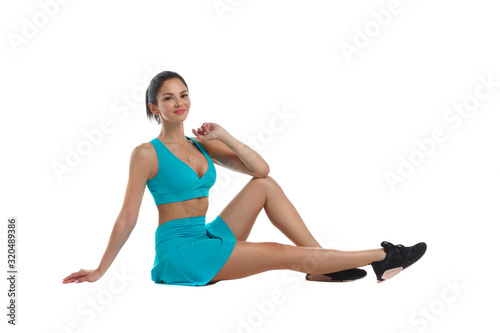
<point x="177" y="181"/>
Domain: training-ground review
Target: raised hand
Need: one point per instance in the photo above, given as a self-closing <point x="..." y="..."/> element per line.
<point x="209" y="131"/>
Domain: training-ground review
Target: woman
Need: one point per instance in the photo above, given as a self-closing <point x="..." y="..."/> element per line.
<point x="179" y="171"/>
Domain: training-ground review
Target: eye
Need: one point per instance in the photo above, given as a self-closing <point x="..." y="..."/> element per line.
<point x="167" y="98"/>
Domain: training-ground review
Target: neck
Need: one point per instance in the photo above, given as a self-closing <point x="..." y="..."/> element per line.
<point x="172" y="132"/>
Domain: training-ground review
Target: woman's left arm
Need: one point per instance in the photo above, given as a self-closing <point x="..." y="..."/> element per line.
<point x="227" y="151"/>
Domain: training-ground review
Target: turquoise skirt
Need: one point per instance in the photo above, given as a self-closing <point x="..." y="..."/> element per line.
<point x="190" y="252"/>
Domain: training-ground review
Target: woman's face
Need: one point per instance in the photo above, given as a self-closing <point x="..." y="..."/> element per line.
<point x="172" y="96"/>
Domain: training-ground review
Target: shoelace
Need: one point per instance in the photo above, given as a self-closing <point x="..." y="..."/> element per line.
<point x="388" y="245"/>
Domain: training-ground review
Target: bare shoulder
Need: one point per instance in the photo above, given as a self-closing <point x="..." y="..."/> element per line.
<point x="144" y="158"/>
<point x="144" y="148"/>
<point x="144" y="151"/>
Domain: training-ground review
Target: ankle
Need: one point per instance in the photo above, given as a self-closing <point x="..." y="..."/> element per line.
<point x="380" y="255"/>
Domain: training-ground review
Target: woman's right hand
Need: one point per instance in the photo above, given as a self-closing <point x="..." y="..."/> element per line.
<point x="83" y="275"/>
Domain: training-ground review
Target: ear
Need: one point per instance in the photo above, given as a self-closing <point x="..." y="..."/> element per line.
<point x="152" y="108"/>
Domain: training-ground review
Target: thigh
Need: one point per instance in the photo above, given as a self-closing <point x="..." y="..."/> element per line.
<point x="240" y="214"/>
<point x="250" y="258"/>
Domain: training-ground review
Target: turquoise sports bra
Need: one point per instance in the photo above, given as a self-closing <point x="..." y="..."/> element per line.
<point x="177" y="181"/>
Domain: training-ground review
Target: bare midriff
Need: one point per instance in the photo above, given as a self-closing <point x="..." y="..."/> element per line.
<point x="182" y="209"/>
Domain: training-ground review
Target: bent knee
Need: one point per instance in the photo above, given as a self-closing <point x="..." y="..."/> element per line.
<point x="267" y="182"/>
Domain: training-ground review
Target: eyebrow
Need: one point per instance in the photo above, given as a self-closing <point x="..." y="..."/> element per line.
<point x="172" y="94"/>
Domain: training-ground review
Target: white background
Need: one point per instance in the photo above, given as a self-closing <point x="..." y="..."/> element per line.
<point x="353" y="118"/>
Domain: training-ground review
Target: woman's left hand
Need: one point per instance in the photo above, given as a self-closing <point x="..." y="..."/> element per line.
<point x="209" y="131"/>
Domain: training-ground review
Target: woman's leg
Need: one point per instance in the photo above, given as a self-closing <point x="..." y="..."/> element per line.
<point x="250" y="258"/>
<point x="240" y="214"/>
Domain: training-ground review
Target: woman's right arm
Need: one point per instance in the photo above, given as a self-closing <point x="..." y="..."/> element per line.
<point x="139" y="172"/>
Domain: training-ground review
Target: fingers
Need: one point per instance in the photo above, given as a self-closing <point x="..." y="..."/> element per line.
<point x="76" y="274"/>
<point x="199" y="132"/>
<point x="81" y="279"/>
<point x="203" y="130"/>
<point x="75" y="277"/>
<point x="76" y="280"/>
<point x="69" y="277"/>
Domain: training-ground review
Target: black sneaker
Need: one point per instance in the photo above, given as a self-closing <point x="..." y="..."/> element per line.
<point x="398" y="258"/>
<point x="341" y="276"/>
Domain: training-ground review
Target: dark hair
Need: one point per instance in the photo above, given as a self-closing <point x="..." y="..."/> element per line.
<point x="153" y="88"/>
